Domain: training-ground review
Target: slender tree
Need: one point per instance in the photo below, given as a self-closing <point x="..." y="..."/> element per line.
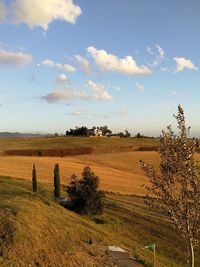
<point x="56" y="181"/>
<point x="34" y="179"/>
<point x="176" y="188"/>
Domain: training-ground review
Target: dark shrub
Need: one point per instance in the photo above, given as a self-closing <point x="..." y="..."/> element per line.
<point x="84" y="193"/>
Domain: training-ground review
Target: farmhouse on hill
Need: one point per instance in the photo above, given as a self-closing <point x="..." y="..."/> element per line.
<point x="98" y="132"/>
<point x="94" y="131"/>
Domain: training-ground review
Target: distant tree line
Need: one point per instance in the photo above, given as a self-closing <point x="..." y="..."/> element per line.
<point x="124" y="135"/>
<point x="139" y="135"/>
<point x="105" y="131"/>
<point x="84" y="131"/>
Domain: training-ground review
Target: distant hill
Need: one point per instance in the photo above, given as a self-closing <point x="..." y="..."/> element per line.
<point x="22" y="135"/>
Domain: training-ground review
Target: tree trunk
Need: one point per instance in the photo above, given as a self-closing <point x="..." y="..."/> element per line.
<point x="191" y="251"/>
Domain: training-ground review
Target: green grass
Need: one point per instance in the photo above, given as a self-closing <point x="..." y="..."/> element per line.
<point x="99" y="145"/>
<point x="35" y="230"/>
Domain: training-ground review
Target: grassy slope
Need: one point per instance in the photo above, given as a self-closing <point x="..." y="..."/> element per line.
<point x="35" y="231"/>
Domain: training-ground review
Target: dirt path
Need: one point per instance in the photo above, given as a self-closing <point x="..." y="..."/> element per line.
<point x="122" y="258"/>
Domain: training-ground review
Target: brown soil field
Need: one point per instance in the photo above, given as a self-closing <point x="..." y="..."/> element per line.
<point x="49" y="152"/>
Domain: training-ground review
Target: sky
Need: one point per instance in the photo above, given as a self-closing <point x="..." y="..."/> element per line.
<point x="125" y="64"/>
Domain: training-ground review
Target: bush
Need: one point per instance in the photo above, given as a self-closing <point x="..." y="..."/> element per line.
<point x="84" y="194"/>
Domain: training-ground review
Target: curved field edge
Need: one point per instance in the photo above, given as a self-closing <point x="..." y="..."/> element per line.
<point x="42" y="233"/>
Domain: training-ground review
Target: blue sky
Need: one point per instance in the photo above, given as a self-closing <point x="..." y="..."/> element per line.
<point x="126" y="64"/>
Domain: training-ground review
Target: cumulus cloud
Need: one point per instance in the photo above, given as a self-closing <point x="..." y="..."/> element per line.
<point x="8" y="58"/>
<point x="58" y="95"/>
<point x="40" y="13"/>
<point x="69" y="93"/>
<point x="98" y="93"/>
<point x="100" y="90"/>
<point x="182" y="63"/>
<point x="61" y="66"/>
<point x="61" y="78"/>
<point x="84" y="63"/>
<point x="112" y="63"/>
<point x="140" y="87"/>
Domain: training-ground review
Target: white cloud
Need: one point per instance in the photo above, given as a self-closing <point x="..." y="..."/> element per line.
<point x="71" y="93"/>
<point x="159" y="56"/>
<point x="58" y="95"/>
<point x="61" y="78"/>
<point x="85" y="96"/>
<point x="161" y="52"/>
<point x="112" y="63"/>
<point x="100" y="90"/>
<point x="76" y="113"/>
<point x="140" y="87"/>
<point x="84" y="63"/>
<point x="64" y="67"/>
<point x="8" y="58"/>
<point x="67" y="94"/>
<point x="182" y="63"/>
<point x="39" y="13"/>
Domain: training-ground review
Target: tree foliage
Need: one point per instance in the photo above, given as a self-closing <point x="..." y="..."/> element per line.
<point x="34" y="179"/>
<point x="177" y="187"/>
<point x="84" y="131"/>
<point x="84" y="194"/>
<point x="56" y="181"/>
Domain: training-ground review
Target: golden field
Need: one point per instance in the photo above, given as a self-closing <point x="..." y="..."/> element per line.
<point x="115" y="161"/>
<point x="118" y="172"/>
<point x="127" y="221"/>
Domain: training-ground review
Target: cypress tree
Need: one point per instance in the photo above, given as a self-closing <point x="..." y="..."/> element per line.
<point x="56" y="181"/>
<point x="34" y="179"/>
